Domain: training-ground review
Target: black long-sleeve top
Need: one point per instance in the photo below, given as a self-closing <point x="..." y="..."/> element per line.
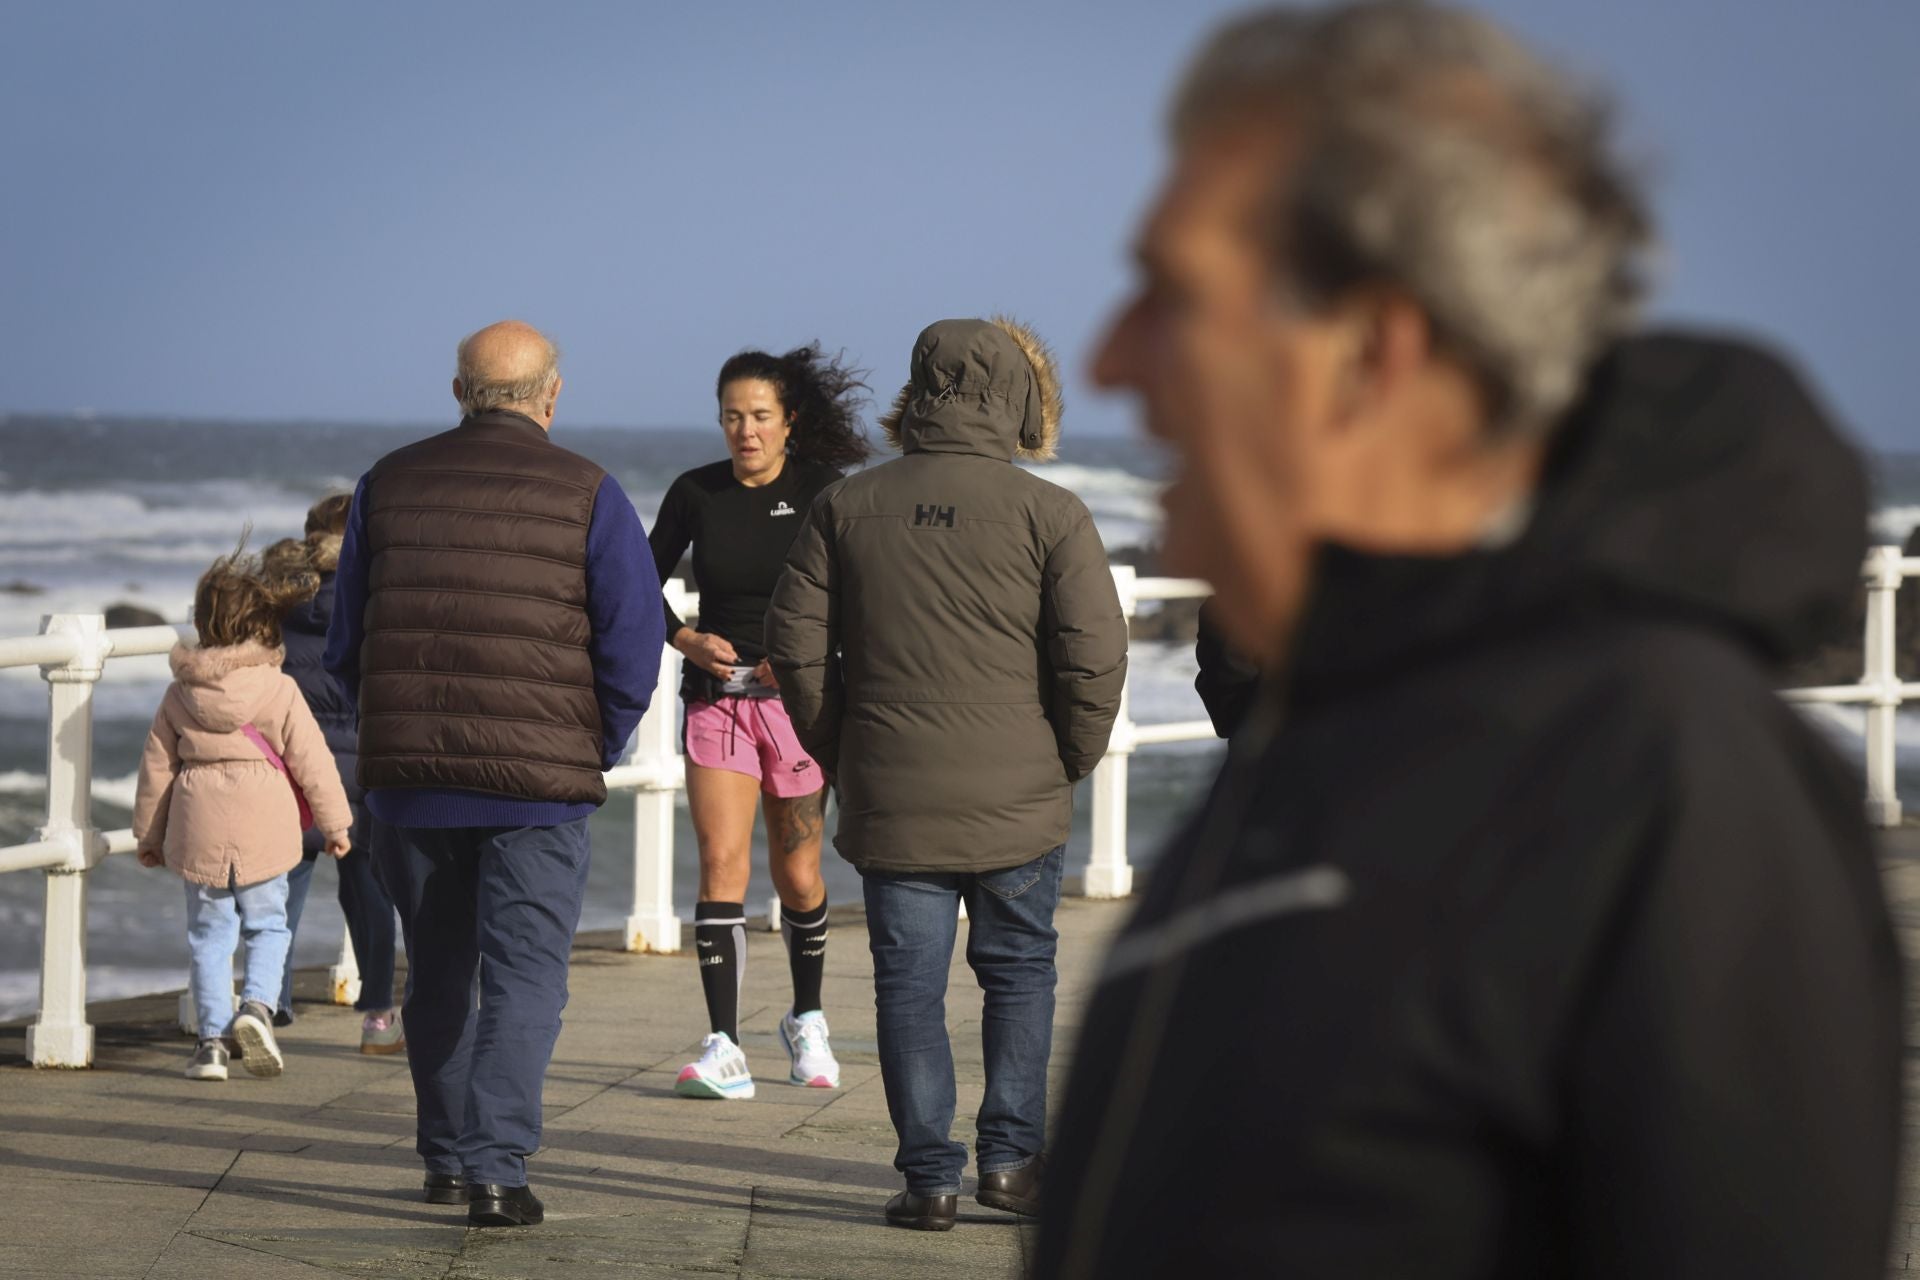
<point x="740" y="537"/>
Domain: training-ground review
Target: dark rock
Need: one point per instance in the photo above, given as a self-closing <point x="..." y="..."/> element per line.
<point x="132" y="615"/>
<point x="19" y="587"/>
<point x="1174" y="620"/>
<point x="1145" y="560"/>
<point x="1171" y="620"/>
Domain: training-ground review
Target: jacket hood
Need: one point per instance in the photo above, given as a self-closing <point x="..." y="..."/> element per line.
<point x="1695" y="480"/>
<point x="978" y="386"/>
<point x="226" y="686"/>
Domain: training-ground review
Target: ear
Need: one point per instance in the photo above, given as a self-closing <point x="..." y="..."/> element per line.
<point x="1382" y="341"/>
<point x="459" y="393"/>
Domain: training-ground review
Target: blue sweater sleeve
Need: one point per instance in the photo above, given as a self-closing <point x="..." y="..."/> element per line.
<point x="347" y="628"/>
<point x="623" y="606"/>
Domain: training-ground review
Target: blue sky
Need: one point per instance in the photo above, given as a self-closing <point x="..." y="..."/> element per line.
<point x="276" y="211"/>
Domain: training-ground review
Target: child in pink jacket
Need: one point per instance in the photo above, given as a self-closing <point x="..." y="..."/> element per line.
<point x="216" y="803"/>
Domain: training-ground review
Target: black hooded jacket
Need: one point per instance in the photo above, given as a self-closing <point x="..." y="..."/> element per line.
<point x="1526" y="932"/>
<point x="304" y="633"/>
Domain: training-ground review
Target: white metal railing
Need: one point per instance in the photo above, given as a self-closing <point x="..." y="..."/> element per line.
<point x="656" y="769"/>
<point x="72" y="651"/>
<point x="1879" y="689"/>
<point x="1109" y="874"/>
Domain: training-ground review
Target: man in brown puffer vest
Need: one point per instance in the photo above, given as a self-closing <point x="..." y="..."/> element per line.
<point x="497" y="620"/>
<point x="951" y="649"/>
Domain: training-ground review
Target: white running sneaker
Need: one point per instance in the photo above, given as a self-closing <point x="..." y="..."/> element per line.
<point x="806" y="1040"/>
<point x="721" y="1071"/>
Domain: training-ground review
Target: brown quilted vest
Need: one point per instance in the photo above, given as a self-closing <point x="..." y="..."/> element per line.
<point x="475" y="672"/>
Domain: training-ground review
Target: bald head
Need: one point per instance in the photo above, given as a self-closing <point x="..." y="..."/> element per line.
<point x="510" y="365"/>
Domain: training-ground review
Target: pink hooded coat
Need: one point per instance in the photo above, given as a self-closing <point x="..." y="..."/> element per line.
<point x="207" y="797"/>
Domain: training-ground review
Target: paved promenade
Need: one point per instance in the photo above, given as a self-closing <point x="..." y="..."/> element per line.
<point x="130" y="1170"/>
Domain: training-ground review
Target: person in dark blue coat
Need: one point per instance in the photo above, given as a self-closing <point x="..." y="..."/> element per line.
<point x="364" y="901"/>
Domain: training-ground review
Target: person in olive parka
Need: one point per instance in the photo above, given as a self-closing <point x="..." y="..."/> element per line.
<point x="951" y="649"/>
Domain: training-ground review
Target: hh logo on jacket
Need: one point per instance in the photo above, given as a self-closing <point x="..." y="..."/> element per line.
<point x="925" y="517"/>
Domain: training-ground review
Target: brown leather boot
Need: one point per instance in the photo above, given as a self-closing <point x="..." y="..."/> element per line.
<point x="1015" y="1190"/>
<point x="922" y="1213"/>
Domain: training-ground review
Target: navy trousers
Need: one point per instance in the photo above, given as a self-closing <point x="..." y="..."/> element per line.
<point x="365" y="903"/>
<point x="502" y="901"/>
<point x="389" y="872"/>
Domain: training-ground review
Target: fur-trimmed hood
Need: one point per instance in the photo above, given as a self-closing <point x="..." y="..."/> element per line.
<point x="224" y="687"/>
<point x="978" y="386"/>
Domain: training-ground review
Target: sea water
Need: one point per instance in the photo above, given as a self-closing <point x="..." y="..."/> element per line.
<point x="99" y="512"/>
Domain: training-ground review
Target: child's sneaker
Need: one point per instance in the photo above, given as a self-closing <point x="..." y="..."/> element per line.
<point x="721" y="1071"/>
<point x="813" y="1063"/>
<point x="209" y="1061"/>
<point x="381" y="1033"/>
<point x="253" y="1029"/>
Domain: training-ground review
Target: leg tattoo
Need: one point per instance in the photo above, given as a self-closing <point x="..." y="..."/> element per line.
<point x="801" y="821"/>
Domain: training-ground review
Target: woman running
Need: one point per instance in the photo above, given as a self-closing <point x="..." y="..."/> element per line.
<point x="791" y="423"/>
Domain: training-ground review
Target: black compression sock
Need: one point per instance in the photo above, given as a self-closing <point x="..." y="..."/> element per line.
<point x="806" y="935"/>
<point x="720" y="937"/>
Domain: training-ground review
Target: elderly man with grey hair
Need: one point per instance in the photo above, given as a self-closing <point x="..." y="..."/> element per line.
<point x="1525" y="933"/>
<point x="497" y="619"/>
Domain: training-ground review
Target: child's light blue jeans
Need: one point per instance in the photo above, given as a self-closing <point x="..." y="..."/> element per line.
<point x="216" y="921"/>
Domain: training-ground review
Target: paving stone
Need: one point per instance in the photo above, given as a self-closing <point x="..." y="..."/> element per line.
<point x="64" y="1226"/>
<point x="313" y="1173"/>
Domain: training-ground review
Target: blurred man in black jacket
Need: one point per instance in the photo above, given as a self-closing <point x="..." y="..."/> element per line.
<point x="1526" y="932"/>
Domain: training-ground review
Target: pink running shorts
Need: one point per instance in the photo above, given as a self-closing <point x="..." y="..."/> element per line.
<point x="752" y="736"/>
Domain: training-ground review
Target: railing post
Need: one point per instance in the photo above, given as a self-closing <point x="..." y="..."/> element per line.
<point x="1882" y="672"/>
<point x="343" y="978"/>
<point x="653" y="926"/>
<point x="60" y="1036"/>
<point x="1108" y="874"/>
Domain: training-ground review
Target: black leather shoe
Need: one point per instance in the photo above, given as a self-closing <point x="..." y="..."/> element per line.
<point x="922" y="1213"/>
<point x="491" y="1205"/>
<point x="446" y="1188"/>
<point x="1016" y="1190"/>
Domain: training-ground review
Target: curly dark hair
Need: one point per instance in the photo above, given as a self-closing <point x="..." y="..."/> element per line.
<point x="820" y="395"/>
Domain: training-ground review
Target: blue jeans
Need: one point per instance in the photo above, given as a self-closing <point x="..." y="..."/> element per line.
<point x="508" y="896"/>
<point x="216" y="921"/>
<point x="911" y="922"/>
